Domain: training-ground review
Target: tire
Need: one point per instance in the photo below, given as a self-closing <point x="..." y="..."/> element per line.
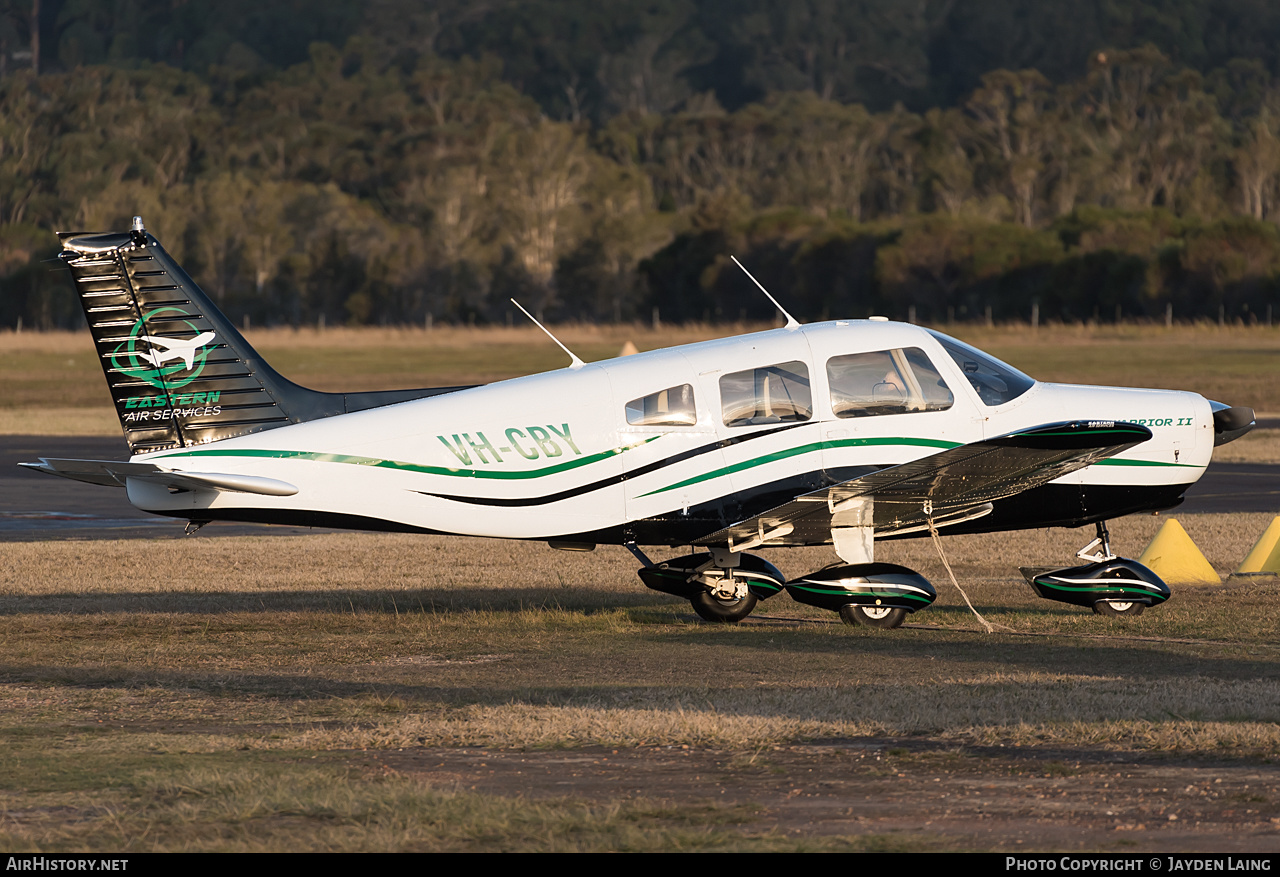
<point x="1118" y="608"/>
<point x="719" y="611"/>
<point x="872" y="616"/>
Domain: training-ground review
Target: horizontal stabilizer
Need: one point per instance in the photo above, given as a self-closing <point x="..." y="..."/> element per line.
<point x="111" y="473"/>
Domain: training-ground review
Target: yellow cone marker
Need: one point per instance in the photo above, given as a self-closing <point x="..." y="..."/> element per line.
<point x="1174" y="557"/>
<point x="628" y="349"/>
<point x="1264" y="559"/>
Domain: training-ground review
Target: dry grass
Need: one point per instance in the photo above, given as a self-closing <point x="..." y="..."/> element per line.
<point x="223" y="693"/>
<point x="247" y="804"/>
<point x="60" y="369"/>
<point x="226" y="693"/>
<point x="569" y="651"/>
<point x="98" y="420"/>
<point x="1236" y="364"/>
<point x="1259" y="446"/>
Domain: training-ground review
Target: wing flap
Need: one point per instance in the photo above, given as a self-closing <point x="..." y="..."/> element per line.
<point x="110" y="473"/>
<point x="954" y="485"/>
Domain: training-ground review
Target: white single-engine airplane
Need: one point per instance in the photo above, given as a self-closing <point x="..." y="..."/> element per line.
<point x="835" y="433"/>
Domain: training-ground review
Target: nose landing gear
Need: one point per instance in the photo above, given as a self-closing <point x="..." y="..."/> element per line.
<point x="1110" y="585"/>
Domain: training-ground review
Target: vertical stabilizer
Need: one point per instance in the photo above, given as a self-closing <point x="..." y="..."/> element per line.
<point x="179" y="372"/>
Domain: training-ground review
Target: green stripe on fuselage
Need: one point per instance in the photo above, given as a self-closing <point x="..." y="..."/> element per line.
<point x="803" y="449"/>
<point x="353" y="460"/>
<point x="798" y="450"/>
<point x="1112" y="461"/>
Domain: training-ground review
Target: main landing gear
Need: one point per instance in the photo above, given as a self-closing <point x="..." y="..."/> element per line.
<point x="725" y="587"/>
<point x="870" y="594"/>
<point x="1111" y="585"/>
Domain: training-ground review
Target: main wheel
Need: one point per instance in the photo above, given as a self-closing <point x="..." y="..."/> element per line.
<point x="882" y="617"/>
<point x="719" y="611"/>
<point x="1118" y="608"/>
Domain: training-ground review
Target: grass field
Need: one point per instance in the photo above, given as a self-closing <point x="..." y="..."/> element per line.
<point x="248" y="693"/>
<point x="51" y="383"/>
<point x="296" y="693"/>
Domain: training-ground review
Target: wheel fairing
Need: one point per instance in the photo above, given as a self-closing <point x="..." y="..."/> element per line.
<point x="884" y="585"/>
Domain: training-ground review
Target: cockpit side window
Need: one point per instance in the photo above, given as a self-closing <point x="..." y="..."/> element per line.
<point x="769" y="394"/>
<point x="886" y="382"/>
<point x="995" y="382"/>
<point x="670" y="407"/>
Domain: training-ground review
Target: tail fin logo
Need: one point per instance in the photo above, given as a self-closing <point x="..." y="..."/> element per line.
<point x="151" y="358"/>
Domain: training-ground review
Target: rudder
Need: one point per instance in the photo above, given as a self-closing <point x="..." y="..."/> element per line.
<point x="179" y="372"/>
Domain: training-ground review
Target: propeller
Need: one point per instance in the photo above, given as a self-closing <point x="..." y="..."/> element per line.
<point x="1230" y="423"/>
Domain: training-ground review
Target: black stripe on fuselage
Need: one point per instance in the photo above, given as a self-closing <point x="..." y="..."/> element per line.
<point x="572" y="492"/>
<point x="1050" y="505"/>
<point x="302" y="518"/>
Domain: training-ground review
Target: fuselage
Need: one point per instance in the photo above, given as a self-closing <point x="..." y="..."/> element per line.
<point x="669" y="445"/>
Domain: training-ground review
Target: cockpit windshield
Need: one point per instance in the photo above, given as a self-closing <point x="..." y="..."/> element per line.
<point x="996" y="382"/>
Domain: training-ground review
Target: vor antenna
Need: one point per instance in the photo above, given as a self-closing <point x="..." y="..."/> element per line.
<point x="577" y="363"/>
<point x="791" y="321"/>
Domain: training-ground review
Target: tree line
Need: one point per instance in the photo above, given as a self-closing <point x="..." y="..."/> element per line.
<point x="584" y="60"/>
<point x="359" y="186"/>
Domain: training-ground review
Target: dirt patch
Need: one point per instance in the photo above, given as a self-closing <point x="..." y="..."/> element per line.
<point x="929" y="794"/>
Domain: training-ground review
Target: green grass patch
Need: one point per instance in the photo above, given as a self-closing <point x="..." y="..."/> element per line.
<point x="269" y="802"/>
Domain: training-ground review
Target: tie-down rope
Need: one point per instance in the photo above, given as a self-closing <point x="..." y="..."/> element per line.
<point x="937" y="543"/>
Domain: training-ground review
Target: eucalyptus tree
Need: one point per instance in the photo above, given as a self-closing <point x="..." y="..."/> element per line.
<point x="1152" y="125"/>
<point x="1256" y="159"/>
<point x="1013" y="123"/>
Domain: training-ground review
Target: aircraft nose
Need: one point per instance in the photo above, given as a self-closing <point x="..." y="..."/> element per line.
<point x="1230" y="423"/>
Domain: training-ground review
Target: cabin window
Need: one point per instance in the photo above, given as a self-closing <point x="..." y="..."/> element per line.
<point x="670" y="407"/>
<point x="769" y="394"/>
<point x="995" y="382"/>
<point x="886" y="382"/>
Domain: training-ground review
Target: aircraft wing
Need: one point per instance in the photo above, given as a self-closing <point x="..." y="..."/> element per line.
<point x="955" y="485"/>
<point x="115" y="474"/>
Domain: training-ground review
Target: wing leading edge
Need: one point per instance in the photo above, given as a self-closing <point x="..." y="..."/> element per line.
<point x="955" y="485"/>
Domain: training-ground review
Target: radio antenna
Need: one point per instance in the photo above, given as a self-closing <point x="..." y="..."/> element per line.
<point x="791" y="321"/>
<point x="577" y="363"/>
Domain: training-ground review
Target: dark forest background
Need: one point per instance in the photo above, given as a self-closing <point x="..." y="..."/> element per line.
<point x="393" y="162"/>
